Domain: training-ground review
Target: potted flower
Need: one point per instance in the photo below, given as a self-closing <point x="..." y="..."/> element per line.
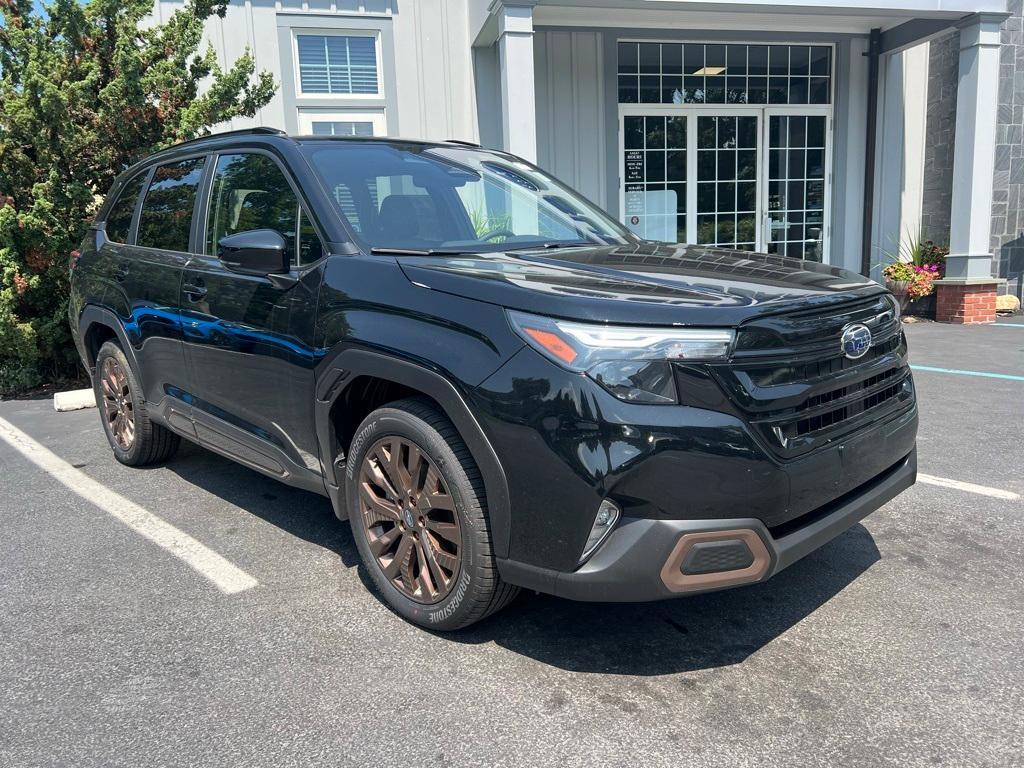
<point x="911" y="275"/>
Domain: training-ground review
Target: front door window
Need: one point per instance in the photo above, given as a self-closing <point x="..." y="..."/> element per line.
<point x="727" y="181"/>
<point x="655" y="176"/>
<point x="796" y="186"/>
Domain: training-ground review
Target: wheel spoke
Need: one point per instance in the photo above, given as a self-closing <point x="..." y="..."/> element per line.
<point x="398" y="473"/>
<point x="447" y="531"/>
<point x="383" y="543"/>
<point x="442" y="501"/>
<point x="430" y="555"/>
<point x="416" y="462"/>
<point x="377" y="509"/>
<point x="405" y="567"/>
<point x="426" y="573"/>
<point x="380" y="477"/>
<point x="399" y="561"/>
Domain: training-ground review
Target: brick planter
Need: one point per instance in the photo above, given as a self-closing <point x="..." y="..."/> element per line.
<point x="966" y="301"/>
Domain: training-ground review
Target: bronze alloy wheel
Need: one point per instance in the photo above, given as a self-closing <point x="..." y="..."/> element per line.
<point x="117" y="403"/>
<point x="409" y="516"/>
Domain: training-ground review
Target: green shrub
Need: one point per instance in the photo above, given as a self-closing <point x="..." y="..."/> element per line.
<point x="86" y="89"/>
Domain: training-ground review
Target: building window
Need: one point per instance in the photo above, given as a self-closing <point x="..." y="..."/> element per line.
<point x="342" y="128"/>
<point x="721" y="73"/>
<point x="337" y="64"/>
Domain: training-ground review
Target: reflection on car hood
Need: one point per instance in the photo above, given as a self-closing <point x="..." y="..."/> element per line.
<point x="645" y="283"/>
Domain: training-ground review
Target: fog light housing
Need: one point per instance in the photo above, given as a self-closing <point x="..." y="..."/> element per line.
<point x="605" y="519"/>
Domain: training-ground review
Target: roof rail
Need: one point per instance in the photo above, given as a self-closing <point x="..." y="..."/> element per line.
<point x="260" y="130"/>
<point x="462" y="142"/>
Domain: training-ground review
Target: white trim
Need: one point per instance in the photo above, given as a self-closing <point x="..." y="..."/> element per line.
<point x="321" y="32"/>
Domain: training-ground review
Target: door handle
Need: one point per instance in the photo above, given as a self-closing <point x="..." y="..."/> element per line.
<point x="195" y="291"/>
<point x="121" y="272"/>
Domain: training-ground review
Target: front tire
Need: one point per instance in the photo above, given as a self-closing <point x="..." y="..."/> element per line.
<point x="134" y="438"/>
<point x="418" y="515"/>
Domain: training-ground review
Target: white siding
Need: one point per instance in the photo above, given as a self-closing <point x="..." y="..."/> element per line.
<point x="434" y="69"/>
<point x="431" y="94"/>
<point x="571" y="110"/>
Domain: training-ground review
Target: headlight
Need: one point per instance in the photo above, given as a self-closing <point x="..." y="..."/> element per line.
<point x="631" y="362"/>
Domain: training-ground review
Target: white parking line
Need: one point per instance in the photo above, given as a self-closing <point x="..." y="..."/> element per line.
<point x="227" y="577"/>
<point x="984" y="490"/>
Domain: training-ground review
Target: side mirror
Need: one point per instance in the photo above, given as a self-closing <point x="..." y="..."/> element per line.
<point x="255" y="252"/>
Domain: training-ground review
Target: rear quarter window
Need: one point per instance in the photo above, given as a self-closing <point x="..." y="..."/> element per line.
<point x="119" y="219"/>
<point x="166" y="218"/>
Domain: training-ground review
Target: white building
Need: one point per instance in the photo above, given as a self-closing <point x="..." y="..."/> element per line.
<point x="743" y="123"/>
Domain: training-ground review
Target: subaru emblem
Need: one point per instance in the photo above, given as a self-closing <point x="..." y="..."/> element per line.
<point x="856" y="341"/>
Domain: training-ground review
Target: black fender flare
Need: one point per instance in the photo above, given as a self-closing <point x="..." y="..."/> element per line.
<point x="353" y="363"/>
<point x="95" y="315"/>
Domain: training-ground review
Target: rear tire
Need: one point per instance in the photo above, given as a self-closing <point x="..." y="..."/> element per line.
<point x="135" y="439"/>
<point x="415" y="497"/>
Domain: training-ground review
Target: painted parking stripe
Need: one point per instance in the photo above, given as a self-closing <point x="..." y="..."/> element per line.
<point x="1008" y="325"/>
<point x="227" y="577"/>
<point x="983" y="490"/>
<point x="959" y="372"/>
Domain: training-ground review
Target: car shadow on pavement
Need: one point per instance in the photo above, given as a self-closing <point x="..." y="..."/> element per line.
<point x="686" y="634"/>
<point x="681" y="635"/>
<point x="303" y="514"/>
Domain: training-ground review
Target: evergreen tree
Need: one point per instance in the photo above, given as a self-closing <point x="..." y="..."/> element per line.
<point x="86" y="89"/>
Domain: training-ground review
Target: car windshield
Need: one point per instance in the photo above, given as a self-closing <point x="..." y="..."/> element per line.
<point x="409" y="197"/>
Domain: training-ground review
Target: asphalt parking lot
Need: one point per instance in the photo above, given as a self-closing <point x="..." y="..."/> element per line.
<point x="900" y="643"/>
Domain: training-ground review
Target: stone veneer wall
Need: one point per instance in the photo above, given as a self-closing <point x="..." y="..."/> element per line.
<point x="943" y="66"/>
<point x="1008" y="184"/>
<point x="1008" y="187"/>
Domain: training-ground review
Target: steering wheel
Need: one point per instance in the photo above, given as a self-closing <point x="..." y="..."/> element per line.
<point x="500" y="232"/>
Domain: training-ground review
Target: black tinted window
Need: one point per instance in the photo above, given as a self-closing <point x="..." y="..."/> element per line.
<point x="167" y="213"/>
<point x="250" y="192"/>
<point x="119" y="220"/>
<point x="310" y="247"/>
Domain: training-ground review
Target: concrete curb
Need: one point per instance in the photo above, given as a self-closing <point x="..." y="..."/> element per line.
<point x="75" y="400"/>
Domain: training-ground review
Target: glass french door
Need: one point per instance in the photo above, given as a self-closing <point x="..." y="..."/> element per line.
<point x="797" y="190"/>
<point x="727" y="180"/>
<point x="654" y="174"/>
<point x="745" y="178"/>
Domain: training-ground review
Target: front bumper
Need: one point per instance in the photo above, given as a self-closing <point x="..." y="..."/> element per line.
<point x="641" y="558"/>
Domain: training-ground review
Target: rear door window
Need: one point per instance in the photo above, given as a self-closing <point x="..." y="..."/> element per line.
<point x="166" y="218"/>
<point x="250" y="191"/>
<point x="119" y="219"/>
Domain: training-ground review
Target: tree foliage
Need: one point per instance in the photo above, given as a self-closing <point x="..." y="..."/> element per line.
<point x="86" y="89"/>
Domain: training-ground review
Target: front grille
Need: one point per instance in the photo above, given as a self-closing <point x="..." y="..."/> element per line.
<point x="798" y="390"/>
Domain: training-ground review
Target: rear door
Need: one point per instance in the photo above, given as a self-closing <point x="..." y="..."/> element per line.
<point x="249" y="339"/>
<point x="148" y="272"/>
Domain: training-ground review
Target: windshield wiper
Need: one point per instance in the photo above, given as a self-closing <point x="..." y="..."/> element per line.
<point x="554" y="244"/>
<point x="422" y="252"/>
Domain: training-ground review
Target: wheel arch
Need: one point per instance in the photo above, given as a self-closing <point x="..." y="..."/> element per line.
<point x="97" y="325"/>
<point x="354" y="366"/>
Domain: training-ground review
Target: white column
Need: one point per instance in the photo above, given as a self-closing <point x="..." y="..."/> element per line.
<point x="518" y="101"/>
<point x="974" y="150"/>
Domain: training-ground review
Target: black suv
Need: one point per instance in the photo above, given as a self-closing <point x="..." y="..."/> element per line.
<point x="496" y="383"/>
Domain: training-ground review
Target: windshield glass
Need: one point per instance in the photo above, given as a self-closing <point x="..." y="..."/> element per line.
<point x="427" y="198"/>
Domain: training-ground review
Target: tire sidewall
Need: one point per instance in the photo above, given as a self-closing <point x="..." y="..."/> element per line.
<point x="450" y="612"/>
<point x="112" y="350"/>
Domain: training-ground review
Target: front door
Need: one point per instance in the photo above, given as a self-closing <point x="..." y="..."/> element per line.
<point x="726" y="144"/>
<point x="249" y="339"/>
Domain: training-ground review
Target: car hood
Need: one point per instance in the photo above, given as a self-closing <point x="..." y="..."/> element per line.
<point x="644" y="284"/>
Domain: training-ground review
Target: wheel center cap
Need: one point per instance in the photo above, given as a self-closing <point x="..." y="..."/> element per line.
<point x="410" y="518"/>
